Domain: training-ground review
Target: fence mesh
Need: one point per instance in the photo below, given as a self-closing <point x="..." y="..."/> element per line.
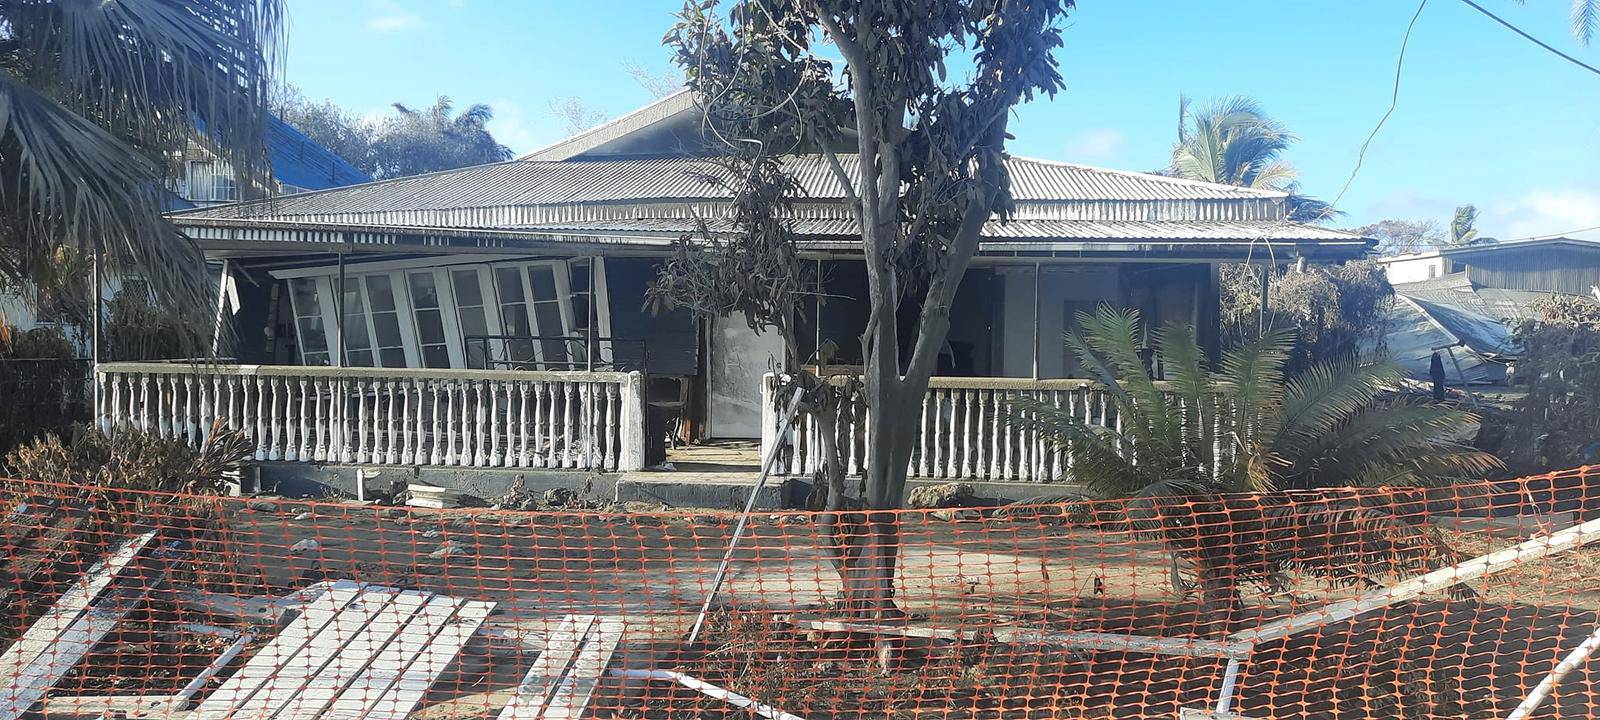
<point x="41" y="396"/>
<point x="235" y="607"/>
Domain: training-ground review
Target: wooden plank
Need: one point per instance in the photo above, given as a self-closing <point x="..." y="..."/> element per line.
<point x="1531" y="549"/>
<point x="353" y="659"/>
<point x="539" y="684"/>
<point x="42" y="634"/>
<point x="29" y="684"/>
<point x="243" y="685"/>
<point x="321" y="651"/>
<point x="577" y="687"/>
<point x="361" y="697"/>
<point x="1106" y="642"/>
<point x="430" y="662"/>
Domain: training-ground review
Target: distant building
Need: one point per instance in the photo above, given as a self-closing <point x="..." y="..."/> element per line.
<point x="1464" y="302"/>
<point x="299" y="165"/>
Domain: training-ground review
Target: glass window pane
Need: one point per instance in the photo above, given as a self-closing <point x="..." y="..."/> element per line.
<point x="312" y="337"/>
<point x="467" y="290"/>
<point x="578" y="276"/>
<point x="387" y="326"/>
<point x="393" y="357"/>
<point x="514" y="319"/>
<point x="423" y="292"/>
<point x="430" y="326"/>
<point x="543" y="279"/>
<point x="305" y="296"/>
<point x="549" y="315"/>
<point x="474" y="322"/>
<point x="359" y="358"/>
<point x="352" y="297"/>
<point x="435" y="356"/>
<point x="380" y="293"/>
<point x="355" y="332"/>
<point x="508" y="280"/>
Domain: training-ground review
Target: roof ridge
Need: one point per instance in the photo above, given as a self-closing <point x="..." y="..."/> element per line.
<point x="345" y="188"/>
<point x="1153" y="176"/>
<point x="621" y="121"/>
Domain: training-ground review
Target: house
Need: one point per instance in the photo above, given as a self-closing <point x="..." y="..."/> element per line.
<point x="299" y="165"/>
<point x="493" y="316"/>
<point x="1465" y="302"/>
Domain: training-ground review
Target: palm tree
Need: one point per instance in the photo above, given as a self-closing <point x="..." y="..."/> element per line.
<point x="1585" y="19"/>
<point x="432" y="139"/>
<point x="96" y="98"/>
<point x="1185" y="450"/>
<point x="1232" y="141"/>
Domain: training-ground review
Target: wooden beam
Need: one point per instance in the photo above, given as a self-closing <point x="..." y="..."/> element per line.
<point x="1533" y="548"/>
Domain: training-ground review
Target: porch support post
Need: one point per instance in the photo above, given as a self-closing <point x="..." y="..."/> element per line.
<point x="1038" y="269"/>
<point x="338" y="316"/>
<point x="94" y="333"/>
<point x="632" y="432"/>
<point x="594" y="296"/>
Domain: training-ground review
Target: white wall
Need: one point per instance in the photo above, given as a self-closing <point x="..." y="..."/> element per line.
<point x="1413" y="268"/>
<point x="1059" y="285"/>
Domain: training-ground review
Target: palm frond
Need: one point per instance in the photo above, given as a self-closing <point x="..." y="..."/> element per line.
<point x="77" y="185"/>
<point x="1387" y="434"/>
<point x="1585" y="19"/>
<point x="1318" y="400"/>
<point x="1253" y="376"/>
<point x="1111" y="342"/>
<point x="99" y="96"/>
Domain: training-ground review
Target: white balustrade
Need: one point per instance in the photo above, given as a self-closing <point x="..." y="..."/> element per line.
<point x="470" y="418"/>
<point x="962" y="431"/>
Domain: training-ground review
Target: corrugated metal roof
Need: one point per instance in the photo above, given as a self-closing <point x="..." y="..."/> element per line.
<point x="1015" y="229"/>
<point x="300" y="161"/>
<point x="536" y="183"/>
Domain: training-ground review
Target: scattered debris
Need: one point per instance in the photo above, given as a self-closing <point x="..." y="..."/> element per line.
<point x="263" y="506"/>
<point x="957" y="515"/>
<point x="432" y="496"/>
<point x="302" y="517"/>
<point x="450" y="548"/>
<point x="304" y="546"/>
<point x="947" y="495"/>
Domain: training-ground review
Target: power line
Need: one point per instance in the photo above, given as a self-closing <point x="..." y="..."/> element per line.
<point x="1394" y="101"/>
<point x="1555" y="234"/>
<point x="1533" y="39"/>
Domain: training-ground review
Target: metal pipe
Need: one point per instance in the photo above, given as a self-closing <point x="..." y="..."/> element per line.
<point x="705" y="688"/>
<point x="1230" y="680"/>
<point x="589" y="337"/>
<point x="1037" y="268"/>
<point x="338" y="316"/>
<point x="1541" y="692"/>
<point x="94" y="326"/>
<point x="744" y="517"/>
<point x="181" y="700"/>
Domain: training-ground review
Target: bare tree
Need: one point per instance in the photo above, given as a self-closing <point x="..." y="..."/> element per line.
<point x="575" y="115"/>
<point x="659" y="85"/>
<point x="924" y="172"/>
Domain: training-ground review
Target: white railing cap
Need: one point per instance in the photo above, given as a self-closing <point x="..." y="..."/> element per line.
<point x="362" y="373"/>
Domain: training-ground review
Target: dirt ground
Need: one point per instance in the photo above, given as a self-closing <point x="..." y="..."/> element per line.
<point x="1434" y="658"/>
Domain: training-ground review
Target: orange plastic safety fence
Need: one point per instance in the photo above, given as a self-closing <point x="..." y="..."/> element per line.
<point x="1334" y="604"/>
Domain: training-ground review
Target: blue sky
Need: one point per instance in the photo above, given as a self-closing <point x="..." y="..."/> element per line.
<point x="1484" y="117"/>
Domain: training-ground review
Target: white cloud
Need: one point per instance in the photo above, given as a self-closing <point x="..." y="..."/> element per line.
<point x="1543" y="211"/>
<point x="1096" y="144"/>
<point x="512" y="126"/>
<point x="388" y="16"/>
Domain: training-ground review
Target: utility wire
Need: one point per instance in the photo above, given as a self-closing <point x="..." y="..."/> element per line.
<point x="1532" y="39"/>
<point x="1394" y="101"/>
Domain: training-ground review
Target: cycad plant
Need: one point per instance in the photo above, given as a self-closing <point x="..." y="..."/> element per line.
<point x="1184" y="450"/>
